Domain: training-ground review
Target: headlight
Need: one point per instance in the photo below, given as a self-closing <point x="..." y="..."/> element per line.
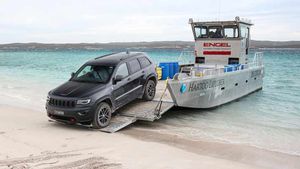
<point x="84" y="101"/>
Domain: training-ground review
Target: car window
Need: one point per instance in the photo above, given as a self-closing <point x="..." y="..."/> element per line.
<point x="93" y="73"/>
<point x="122" y="70"/>
<point x="134" y="65"/>
<point x="144" y="62"/>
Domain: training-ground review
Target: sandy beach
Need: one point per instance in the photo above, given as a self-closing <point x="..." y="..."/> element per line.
<point x="29" y="140"/>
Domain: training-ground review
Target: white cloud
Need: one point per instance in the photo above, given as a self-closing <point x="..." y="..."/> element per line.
<point x="60" y="21"/>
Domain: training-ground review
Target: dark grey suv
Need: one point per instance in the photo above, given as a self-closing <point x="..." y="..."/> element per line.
<point x="101" y="86"/>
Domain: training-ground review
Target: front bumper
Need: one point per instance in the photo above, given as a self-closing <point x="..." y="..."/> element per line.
<point x="70" y="115"/>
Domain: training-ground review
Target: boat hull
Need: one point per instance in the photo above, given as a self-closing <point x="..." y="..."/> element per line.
<point x="212" y="91"/>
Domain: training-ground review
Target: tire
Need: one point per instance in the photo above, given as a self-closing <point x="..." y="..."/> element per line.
<point x="150" y="89"/>
<point x="102" y="115"/>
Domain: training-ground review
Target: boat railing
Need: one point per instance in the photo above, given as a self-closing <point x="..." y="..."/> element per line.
<point x="212" y="72"/>
<point x="186" y="56"/>
<point x="257" y="60"/>
<point x="200" y="71"/>
<point x="192" y="71"/>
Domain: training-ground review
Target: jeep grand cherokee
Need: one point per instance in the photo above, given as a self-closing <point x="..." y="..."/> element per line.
<point x="101" y="86"/>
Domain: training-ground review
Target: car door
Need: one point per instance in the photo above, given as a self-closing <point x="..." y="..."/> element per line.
<point x="120" y="88"/>
<point x="147" y="69"/>
<point x="136" y="75"/>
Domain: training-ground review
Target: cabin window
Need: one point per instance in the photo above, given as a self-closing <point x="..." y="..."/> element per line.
<point x="231" y="32"/>
<point x="233" y="61"/>
<point x="244" y="32"/>
<point x="228" y="31"/>
<point x="201" y="32"/>
<point x="215" y="32"/>
<point x="200" y="59"/>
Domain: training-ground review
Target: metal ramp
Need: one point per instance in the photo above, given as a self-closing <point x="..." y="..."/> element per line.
<point x="137" y="110"/>
<point x="117" y="123"/>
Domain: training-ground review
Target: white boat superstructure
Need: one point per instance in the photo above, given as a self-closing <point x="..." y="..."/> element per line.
<point x="221" y="71"/>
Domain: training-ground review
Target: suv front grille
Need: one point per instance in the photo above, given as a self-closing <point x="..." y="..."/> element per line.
<point x="62" y="103"/>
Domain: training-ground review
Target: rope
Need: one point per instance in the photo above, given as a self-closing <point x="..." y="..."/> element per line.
<point x="158" y="106"/>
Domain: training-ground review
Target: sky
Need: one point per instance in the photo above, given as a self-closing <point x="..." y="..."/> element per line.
<point x="90" y="21"/>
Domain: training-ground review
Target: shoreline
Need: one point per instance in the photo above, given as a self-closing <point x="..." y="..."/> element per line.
<point x="35" y="141"/>
<point x="235" y="152"/>
<point x="140" y="126"/>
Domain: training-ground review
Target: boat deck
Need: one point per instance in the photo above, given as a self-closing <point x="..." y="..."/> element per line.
<point x="141" y="110"/>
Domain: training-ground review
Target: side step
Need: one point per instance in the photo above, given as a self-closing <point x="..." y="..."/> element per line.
<point x="137" y="110"/>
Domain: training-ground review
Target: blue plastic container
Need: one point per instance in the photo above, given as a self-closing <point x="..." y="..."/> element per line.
<point x="233" y="67"/>
<point x="176" y="67"/>
<point x="242" y="67"/>
<point x="165" y="70"/>
<point x="229" y="68"/>
<point x="171" y="71"/>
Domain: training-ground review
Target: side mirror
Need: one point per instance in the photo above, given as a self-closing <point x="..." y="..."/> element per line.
<point x="118" y="78"/>
<point x="72" y="74"/>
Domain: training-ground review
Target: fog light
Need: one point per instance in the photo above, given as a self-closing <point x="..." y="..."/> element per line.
<point x="82" y="113"/>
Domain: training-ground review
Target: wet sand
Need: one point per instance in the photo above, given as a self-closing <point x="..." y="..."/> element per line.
<point x="29" y="140"/>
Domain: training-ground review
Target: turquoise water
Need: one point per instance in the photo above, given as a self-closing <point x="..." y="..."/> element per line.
<point x="268" y="119"/>
<point x="54" y="67"/>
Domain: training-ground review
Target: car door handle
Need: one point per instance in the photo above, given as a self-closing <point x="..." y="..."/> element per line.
<point x="143" y="71"/>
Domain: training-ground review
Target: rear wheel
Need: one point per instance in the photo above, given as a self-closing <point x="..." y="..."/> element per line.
<point x="150" y="90"/>
<point x="102" y="115"/>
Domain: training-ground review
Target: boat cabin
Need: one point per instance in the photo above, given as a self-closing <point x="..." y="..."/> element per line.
<point x="221" y="42"/>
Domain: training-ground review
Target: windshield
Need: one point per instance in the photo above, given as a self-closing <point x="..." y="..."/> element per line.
<point x="208" y="32"/>
<point x="227" y="31"/>
<point x="94" y="74"/>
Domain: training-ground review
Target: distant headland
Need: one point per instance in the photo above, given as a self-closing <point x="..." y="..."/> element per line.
<point x="138" y="45"/>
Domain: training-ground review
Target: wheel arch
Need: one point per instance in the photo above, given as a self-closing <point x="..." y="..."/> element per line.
<point x="152" y="77"/>
<point x="105" y="99"/>
<point x="149" y="77"/>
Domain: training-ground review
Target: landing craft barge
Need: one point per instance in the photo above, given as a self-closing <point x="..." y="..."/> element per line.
<point x="221" y="71"/>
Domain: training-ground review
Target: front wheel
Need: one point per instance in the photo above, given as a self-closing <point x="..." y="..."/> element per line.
<point x="102" y="115"/>
<point x="150" y="90"/>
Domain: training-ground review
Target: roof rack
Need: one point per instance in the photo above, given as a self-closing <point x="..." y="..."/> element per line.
<point x="106" y="55"/>
<point x="232" y="22"/>
<point x="129" y="55"/>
